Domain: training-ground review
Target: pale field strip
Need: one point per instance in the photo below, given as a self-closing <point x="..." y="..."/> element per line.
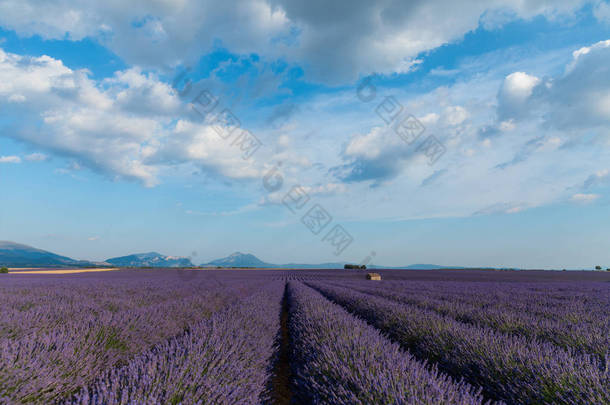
<point x="30" y="270"/>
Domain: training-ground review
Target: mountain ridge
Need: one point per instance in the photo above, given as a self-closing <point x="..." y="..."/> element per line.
<point x="19" y="255"/>
<point x="238" y="259"/>
<point x="14" y="254"/>
<point x="151" y="259"/>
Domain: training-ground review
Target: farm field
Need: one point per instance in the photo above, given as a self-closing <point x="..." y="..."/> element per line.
<point x="305" y="336"/>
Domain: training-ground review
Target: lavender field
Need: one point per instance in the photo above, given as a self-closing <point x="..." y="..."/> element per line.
<point x="171" y="336"/>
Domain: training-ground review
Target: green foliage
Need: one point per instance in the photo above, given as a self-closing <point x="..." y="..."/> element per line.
<point x="25" y="306"/>
<point x="176" y="398"/>
<point x="3" y="270"/>
<point x="114" y="342"/>
<point x="598" y="267"/>
<point x="110" y="338"/>
<point x="354" y="267"/>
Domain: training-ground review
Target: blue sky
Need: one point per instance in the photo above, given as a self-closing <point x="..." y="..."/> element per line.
<point x="100" y="156"/>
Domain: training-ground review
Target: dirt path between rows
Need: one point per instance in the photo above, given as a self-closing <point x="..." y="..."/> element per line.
<point x="281" y="383"/>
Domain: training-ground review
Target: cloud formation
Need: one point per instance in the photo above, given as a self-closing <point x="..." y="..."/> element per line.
<point x="514" y="94"/>
<point x="334" y="42"/>
<point x="130" y="126"/>
<point x="36" y="157"/>
<point x="514" y="140"/>
<point x="584" y="198"/>
<point x="506" y="151"/>
<point x="580" y="98"/>
<point x="10" y="159"/>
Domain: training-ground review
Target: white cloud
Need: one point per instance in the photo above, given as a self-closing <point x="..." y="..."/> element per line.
<point x="502" y="208"/>
<point x="455" y="115"/>
<point x="242" y="210"/>
<point x="507" y="125"/>
<point x="586" y="50"/>
<point x="150" y="33"/>
<point x="10" y="159"/>
<point x="325" y="189"/>
<point x="524" y="163"/>
<point x="584" y="198"/>
<point x="430" y="119"/>
<point x="573" y="102"/>
<point x="602" y="12"/>
<point x="382" y="154"/>
<point x="519" y="85"/>
<point x="581" y="97"/>
<point x="514" y="94"/>
<point x="201" y="145"/>
<point x="36" y="157"/>
<point x="369" y="146"/>
<point x="130" y="126"/>
<point x="319" y="190"/>
<point x="16" y="98"/>
<point x="599" y="177"/>
<point x="336" y="43"/>
<point x="359" y="37"/>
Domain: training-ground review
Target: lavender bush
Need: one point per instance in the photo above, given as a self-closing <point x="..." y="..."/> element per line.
<point x="510" y="368"/>
<point x="339" y="359"/>
<point x="223" y="360"/>
<point x="571" y="326"/>
<point x="59" y="337"/>
<point x="189" y="337"/>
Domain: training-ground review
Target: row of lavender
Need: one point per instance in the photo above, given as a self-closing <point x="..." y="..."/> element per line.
<point x="573" y="317"/>
<point x="226" y="359"/>
<point x="340" y="359"/>
<point x="59" y="335"/>
<point x="336" y="359"/>
<point x="159" y="338"/>
<point x="550" y="300"/>
<point x="512" y="368"/>
<point x="158" y="351"/>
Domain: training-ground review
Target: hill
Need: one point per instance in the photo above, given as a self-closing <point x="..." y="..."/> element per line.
<point x="17" y="255"/>
<point x="239" y="259"/>
<point x="152" y="259"/>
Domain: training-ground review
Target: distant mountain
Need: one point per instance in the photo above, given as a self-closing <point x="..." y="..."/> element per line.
<point x="239" y="259"/>
<point x="17" y="255"/>
<point x="152" y="259"/>
<point x="339" y="265"/>
<point x="425" y="267"/>
<point x="310" y="266"/>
